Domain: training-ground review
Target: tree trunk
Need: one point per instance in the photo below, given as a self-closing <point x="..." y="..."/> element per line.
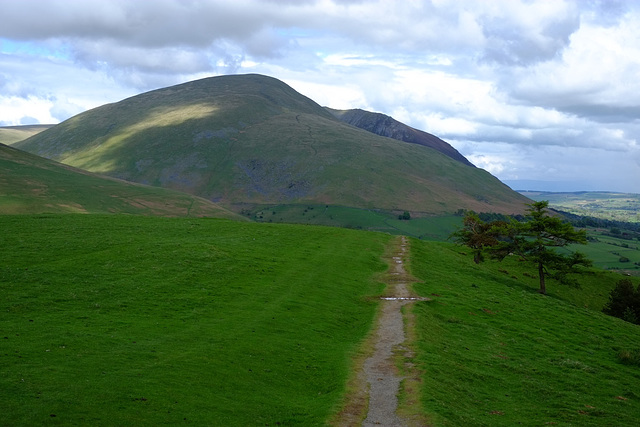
<point x="543" y="288"/>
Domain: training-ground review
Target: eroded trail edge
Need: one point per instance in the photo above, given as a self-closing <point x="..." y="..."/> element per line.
<point x="379" y="379"/>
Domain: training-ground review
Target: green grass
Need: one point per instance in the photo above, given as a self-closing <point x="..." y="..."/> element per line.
<point x="335" y="216"/>
<point x="125" y="320"/>
<point x="496" y="353"/>
<point x="605" y="251"/>
<point x="437" y="228"/>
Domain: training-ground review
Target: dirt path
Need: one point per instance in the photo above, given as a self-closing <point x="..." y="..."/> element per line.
<point x="380" y="371"/>
<point x="372" y="399"/>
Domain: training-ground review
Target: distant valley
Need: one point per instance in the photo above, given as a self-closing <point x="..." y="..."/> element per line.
<point x="613" y="206"/>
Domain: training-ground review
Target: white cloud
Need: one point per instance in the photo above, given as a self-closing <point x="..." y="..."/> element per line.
<point x="527" y="32"/>
<point x="598" y="69"/>
<point x="93" y="54"/>
<point x="326" y="94"/>
<point x="450" y="126"/>
<point x="14" y="110"/>
<point x="492" y="163"/>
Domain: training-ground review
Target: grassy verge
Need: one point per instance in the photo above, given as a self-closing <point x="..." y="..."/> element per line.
<point x="122" y="320"/>
<point x="496" y="353"/>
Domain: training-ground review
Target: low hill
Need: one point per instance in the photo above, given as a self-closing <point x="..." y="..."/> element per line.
<point x="383" y="125"/>
<point x="31" y="184"/>
<point x="251" y="139"/>
<point x="13" y="134"/>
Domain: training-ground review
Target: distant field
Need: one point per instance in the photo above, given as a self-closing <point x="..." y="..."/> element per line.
<point x="612" y="253"/>
<point x="605" y="250"/>
<point x="605" y="205"/>
<point x="427" y="227"/>
<point x="11" y="134"/>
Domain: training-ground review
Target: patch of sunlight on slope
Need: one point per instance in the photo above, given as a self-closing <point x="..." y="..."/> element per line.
<point x="95" y="159"/>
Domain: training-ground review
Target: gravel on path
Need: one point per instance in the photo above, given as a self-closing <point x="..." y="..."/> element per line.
<point x="379" y="369"/>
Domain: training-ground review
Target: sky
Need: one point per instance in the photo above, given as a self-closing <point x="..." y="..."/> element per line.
<point x="544" y="94"/>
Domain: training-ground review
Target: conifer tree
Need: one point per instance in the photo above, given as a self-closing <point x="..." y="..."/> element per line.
<point x="533" y="240"/>
<point x="624" y="301"/>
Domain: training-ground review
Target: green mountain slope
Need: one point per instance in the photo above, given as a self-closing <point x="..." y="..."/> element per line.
<point x="253" y="139"/>
<point x="31" y="184"/>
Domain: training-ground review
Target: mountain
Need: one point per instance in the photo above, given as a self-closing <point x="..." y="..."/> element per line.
<point x="252" y="139"/>
<point x="383" y="125"/>
<point x="31" y="184"/>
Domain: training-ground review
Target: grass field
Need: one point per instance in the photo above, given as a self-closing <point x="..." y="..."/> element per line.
<point x="128" y="320"/>
<point x="605" y="251"/>
<point x="123" y="320"/>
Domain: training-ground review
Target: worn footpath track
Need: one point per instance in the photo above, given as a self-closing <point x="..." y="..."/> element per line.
<point x="379" y="377"/>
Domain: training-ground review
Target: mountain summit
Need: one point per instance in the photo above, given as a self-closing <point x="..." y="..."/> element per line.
<point x="252" y="139"/>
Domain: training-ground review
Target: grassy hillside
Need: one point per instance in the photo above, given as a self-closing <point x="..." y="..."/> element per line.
<point x="140" y="320"/>
<point x="31" y="184"/>
<point x="12" y="134"/>
<point x="252" y="139"/>
<point x="494" y="352"/>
